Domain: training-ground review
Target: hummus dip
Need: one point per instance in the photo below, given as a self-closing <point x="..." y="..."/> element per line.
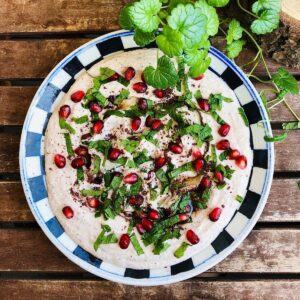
<point x="142" y="177"/>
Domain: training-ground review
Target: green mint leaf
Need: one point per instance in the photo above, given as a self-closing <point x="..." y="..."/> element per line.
<point x="153" y="194"/>
<point x="285" y="81"/>
<point x="217" y="118"/>
<point x="63" y="124"/>
<point x="105" y="73"/>
<point x="160" y="247"/>
<point x="80" y="174"/>
<point x="243" y="115"/>
<point x="218" y="3"/>
<point x="224" y="154"/>
<point x="198" y="60"/>
<point x="80" y="120"/>
<point x="184" y="168"/>
<point x="143" y="38"/>
<point x="164" y="76"/>
<point x="144" y="14"/>
<point x="122" y="96"/>
<point x="136" y="245"/>
<point x="234" y="49"/>
<point x="125" y="21"/>
<point x="291" y="125"/>
<point x="170" y="42"/>
<point x="174" y="3"/>
<point x="105" y="239"/>
<point x="91" y="193"/>
<point x="181" y="250"/>
<point x="235" y="31"/>
<point x="239" y="198"/>
<point x="276" y="138"/>
<point x="115" y="183"/>
<point x="267" y="21"/>
<point x="69" y="144"/>
<point x="141" y="158"/>
<point x="96" y="164"/>
<point x="266" y="4"/>
<point x="130" y="145"/>
<point x="190" y="22"/>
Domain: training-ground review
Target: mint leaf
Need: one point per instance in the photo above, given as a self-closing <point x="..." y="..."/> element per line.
<point x="218" y="3"/>
<point x="244" y="116"/>
<point x="200" y="67"/>
<point x="144" y="14"/>
<point x="267" y="21"/>
<point x="235" y="31"/>
<point x="63" y="124"/>
<point x="122" y="96"/>
<point x="234" y="49"/>
<point x="285" y="81"/>
<point x="80" y="120"/>
<point x="130" y="145"/>
<point x="170" y="42"/>
<point x="143" y="38"/>
<point x="136" y="245"/>
<point x="125" y="21"/>
<point x="190" y="22"/>
<point x="80" y="174"/>
<point x="164" y="76"/>
<point x="266" y="4"/>
<point x="181" y="250"/>
<point x="91" y="193"/>
<point x="276" y="138"/>
<point x="239" y="198"/>
<point x="68" y="144"/>
<point x="291" y="125"/>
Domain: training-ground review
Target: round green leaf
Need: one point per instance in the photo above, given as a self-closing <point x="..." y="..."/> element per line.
<point x="235" y="31"/>
<point x="234" y="49"/>
<point x="218" y="3"/>
<point x="267" y="22"/>
<point x="125" y="21"/>
<point x="143" y="38"/>
<point x="285" y="81"/>
<point x="200" y="67"/>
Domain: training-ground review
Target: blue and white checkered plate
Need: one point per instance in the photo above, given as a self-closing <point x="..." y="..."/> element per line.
<point x="32" y="166"/>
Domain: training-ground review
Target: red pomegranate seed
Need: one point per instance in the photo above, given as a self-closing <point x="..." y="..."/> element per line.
<point x="136" y="200"/>
<point x="233" y="154"/>
<point x="199" y="77"/>
<point x="130" y="178"/>
<point x="140" y="228"/>
<point x="64" y="111"/>
<point x="156" y="124"/>
<point x="124" y="241"/>
<point x="114" y="153"/>
<point x="77" y="96"/>
<point x="140" y="87"/>
<point x="198" y="164"/>
<point x="153" y="214"/>
<point x="60" y="161"/>
<point x="129" y="73"/>
<point x="135" y="123"/>
<point x="148" y="121"/>
<point x="175" y="148"/>
<point x="68" y="212"/>
<point x="86" y="136"/>
<point x="81" y="150"/>
<point x="78" y="162"/>
<point x="219" y="177"/>
<point x="159" y="93"/>
<point x="98" y="126"/>
<point x="140" y="214"/>
<point x="192" y="237"/>
<point x="147" y="224"/>
<point x="114" y="77"/>
<point x="224" y="129"/>
<point x="241" y="162"/>
<point x="223" y="145"/>
<point x="196" y="153"/>
<point x="93" y="202"/>
<point x="160" y="162"/>
<point x="205" y="182"/>
<point x="204" y="105"/>
<point x="183" y="217"/>
<point x="215" y="214"/>
<point x="142" y="104"/>
<point x="95" y="107"/>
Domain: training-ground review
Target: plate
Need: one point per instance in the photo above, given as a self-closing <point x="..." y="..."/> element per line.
<point x="32" y="167"/>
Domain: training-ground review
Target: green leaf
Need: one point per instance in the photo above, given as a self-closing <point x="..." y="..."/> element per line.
<point x="143" y="38"/>
<point x="164" y="76"/>
<point x="160" y="247"/>
<point x="234" y="49"/>
<point x="200" y="133"/>
<point x="211" y="15"/>
<point x="183" y="168"/>
<point x="217" y="118"/>
<point x="105" y="73"/>
<point x="80" y="120"/>
<point x="285" y="81"/>
<point x="181" y="250"/>
<point x="276" y="138"/>
<point x="239" y="198"/>
<point x="91" y="193"/>
<point x="235" y="31"/>
<point x="267" y="21"/>
<point x="244" y="116"/>
<point x="153" y="194"/>
<point x="125" y="21"/>
<point x="122" y="96"/>
<point x="141" y="158"/>
<point x="144" y="14"/>
<point x="69" y="144"/>
<point x="96" y="166"/>
<point x="115" y="183"/>
<point x="224" y="154"/>
<point x="136" y="245"/>
<point x="130" y="145"/>
<point x="80" y="174"/>
<point x="105" y="239"/>
<point x="218" y="3"/>
<point x="170" y="42"/>
<point x="63" y="124"/>
<point x="190" y="22"/>
<point x="291" y="125"/>
<point x="266" y="4"/>
<point x="198" y="60"/>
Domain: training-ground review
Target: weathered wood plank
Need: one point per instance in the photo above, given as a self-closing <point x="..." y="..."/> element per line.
<point x="14" y="206"/>
<point x="47" y="53"/>
<point x="189" y="289"/>
<point x="263" y="251"/>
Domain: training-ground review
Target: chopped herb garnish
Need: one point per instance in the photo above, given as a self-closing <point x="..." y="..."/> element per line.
<point x="153" y="194"/>
<point x="162" y="177"/>
<point x="239" y="198"/>
<point x="136" y="245"/>
<point x="116" y="113"/>
<point x="217" y="118"/>
<point x="184" y="168"/>
<point x="123" y="81"/>
<point x="105" y="73"/>
<point x="160" y="247"/>
<point x="224" y="154"/>
<point x="80" y="174"/>
<point x="81" y="120"/>
<point x="63" y="124"/>
<point x="130" y="145"/>
<point x="244" y="117"/>
<point x="141" y="158"/>
<point x="148" y="135"/>
<point x="198" y="95"/>
<point x="116" y="181"/>
<point x="135" y="188"/>
<point x="96" y="165"/>
<point x="181" y="250"/>
<point x="276" y="138"/>
<point x="91" y="193"/>
<point x="69" y="144"/>
<point x="213" y="153"/>
<point x="200" y="133"/>
<point x="95" y="116"/>
<point x="122" y="96"/>
<point x="105" y="239"/>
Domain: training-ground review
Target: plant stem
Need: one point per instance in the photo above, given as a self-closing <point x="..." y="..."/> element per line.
<point x="291" y="110"/>
<point x="258" y="79"/>
<point x="254" y="67"/>
<point x="245" y="10"/>
<point x="275" y="104"/>
<point x="251" y="61"/>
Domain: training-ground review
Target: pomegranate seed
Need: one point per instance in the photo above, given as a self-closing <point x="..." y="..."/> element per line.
<point x="183" y="217"/>
<point x="68" y="212"/>
<point x="78" y="162"/>
<point x="93" y="202"/>
<point x="219" y="177"/>
<point x="205" y="182"/>
<point x="215" y="214"/>
<point x="147" y="224"/>
<point x="77" y="96"/>
<point x="140" y="214"/>
<point x="196" y="153"/>
<point x="86" y="136"/>
<point x="95" y="107"/>
<point x="136" y="123"/>
<point x="160" y="162"/>
<point x="192" y="237"/>
<point x="140" y="228"/>
<point x="114" y="77"/>
<point x="233" y="154"/>
<point x="159" y="93"/>
<point x="114" y="153"/>
<point x="241" y="162"/>
<point x="60" y="161"/>
<point x="124" y="241"/>
<point x="204" y="105"/>
<point x="140" y="87"/>
<point x="148" y="121"/>
<point x="129" y="73"/>
<point x="153" y="214"/>
<point x="64" y="111"/>
<point x="223" y="145"/>
<point x="175" y="148"/>
<point x="130" y="178"/>
<point x="136" y="200"/>
<point x="98" y="126"/>
<point x="156" y="124"/>
<point x="199" y="77"/>
<point x="224" y="129"/>
<point x="198" y="164"/>
<point x="81" y="150"/>
<point x="142" y="104"/>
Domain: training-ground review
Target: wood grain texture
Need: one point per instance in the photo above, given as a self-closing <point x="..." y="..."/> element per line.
<point x="263" y="251"/>
<point x="190" y="289"/>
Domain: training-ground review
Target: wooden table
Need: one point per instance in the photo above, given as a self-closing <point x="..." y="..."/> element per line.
<point x="37" y="34"/>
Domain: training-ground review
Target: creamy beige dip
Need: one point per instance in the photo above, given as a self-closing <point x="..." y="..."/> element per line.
<point x="84" y="228"/>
